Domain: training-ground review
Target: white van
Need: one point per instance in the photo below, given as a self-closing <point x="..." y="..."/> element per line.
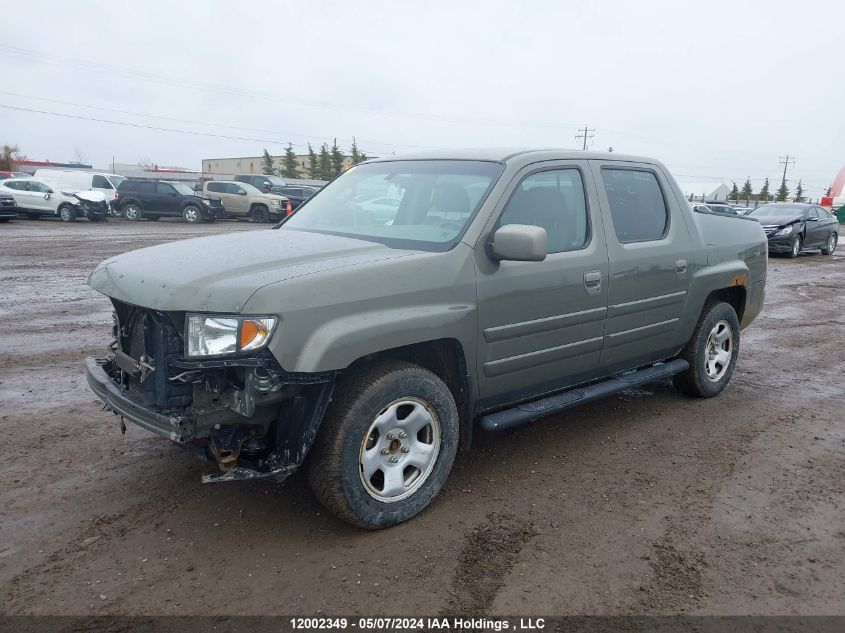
<point x="84" y="180"/>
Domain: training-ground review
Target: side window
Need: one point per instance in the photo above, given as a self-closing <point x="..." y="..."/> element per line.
<point x="163" y="187"/>
<point x="101" y="182"/>
<point x="555" y="201"/>
<point x="146" y="187"/>
<point x="233" y="188"/>
<point x="15" y="184"/>
<point x="40" y="187"/>
<point x="637" y="206"/>
<point x="217" y="187"/>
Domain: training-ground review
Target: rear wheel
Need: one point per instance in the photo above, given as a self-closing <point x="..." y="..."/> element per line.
<point x="386" y="446"/>
<point x="191" y="214"/>
<point x="711" y="352"/>
<point x="67" y="213"/>
<point x="260" y="214"/>
<point x="132" y="212"/>
<point x="830" y="246"/>
<point x="795" y="247"/>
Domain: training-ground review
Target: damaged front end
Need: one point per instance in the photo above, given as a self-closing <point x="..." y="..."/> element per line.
<point x="245" y="413"/>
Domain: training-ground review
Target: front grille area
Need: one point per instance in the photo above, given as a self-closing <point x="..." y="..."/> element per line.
<point x="154" y="337"/>
<point x="7" y="202"/>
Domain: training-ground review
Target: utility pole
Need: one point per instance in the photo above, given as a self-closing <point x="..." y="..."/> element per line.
<point x="785" y="161"/>
<point x="585" y="135"/>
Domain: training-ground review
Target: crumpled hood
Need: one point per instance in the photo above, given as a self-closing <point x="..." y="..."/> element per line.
<point x="777" y="220"/>
<point x="219" y="273"/>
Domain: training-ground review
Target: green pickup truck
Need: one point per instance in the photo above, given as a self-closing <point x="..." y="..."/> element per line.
<point x="506" y="286"/>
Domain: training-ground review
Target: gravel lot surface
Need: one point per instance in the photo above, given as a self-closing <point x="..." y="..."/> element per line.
<point x="644" y="503"/>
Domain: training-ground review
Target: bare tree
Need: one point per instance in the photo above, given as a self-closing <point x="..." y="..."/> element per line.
<point x="80" y="156"/>
<point x="9" y="154"/>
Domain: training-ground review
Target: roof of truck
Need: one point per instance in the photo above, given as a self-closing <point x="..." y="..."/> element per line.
<point x="507" y="154"/>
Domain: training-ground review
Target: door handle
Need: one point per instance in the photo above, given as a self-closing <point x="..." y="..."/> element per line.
<point x="592" y="282"/>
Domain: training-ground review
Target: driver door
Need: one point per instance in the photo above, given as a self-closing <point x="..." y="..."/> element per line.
<point x="235" y="199"/>
<point x="541" y="324"/>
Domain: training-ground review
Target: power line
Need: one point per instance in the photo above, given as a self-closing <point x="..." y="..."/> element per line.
<point x="140" y="75"/>
<point x="144" y="126"/>
<point x="222" y="125"/>
<point x="585" y="135"/>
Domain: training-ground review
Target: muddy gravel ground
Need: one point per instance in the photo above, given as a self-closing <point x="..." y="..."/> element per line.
<point x="649" y="502"/>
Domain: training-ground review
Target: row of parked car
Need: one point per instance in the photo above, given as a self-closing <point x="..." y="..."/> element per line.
<point x="70" y="194"/>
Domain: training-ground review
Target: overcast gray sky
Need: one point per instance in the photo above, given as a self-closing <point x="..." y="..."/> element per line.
<point x="714" y="89"/>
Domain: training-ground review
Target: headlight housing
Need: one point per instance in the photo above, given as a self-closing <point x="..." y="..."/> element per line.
<point x="225" y="335"/>
<point x="277" y="203"/>
<point x="786" y="230"/>
<point x="206" y="202"/>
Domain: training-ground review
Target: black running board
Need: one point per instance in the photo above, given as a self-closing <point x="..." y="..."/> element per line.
<point x="530" y="411"/>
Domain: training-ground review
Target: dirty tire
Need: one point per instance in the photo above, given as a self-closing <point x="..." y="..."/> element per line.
<point x="830" y="245"/>
<point x="795" y="246"/>
<point x="132" y="212"/>
<point x="191" y="214"/>
<point x="67" y="213"/>
<point x="695" y="381"/>
<point x="260" y="214"/>
<point x="361" y="396"/>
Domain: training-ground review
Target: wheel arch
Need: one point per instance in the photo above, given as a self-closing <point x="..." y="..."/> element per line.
<point x="735" y="296"/>
<point x="447" y="360"/>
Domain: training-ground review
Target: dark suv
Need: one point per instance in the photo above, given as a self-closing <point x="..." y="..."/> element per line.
<point x="152" y="199"/>
<point x="298" y="195"/>
<point x="267" y="184"/>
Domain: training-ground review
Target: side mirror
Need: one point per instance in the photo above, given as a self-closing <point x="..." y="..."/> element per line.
<point x="47" y="195"/>
<point x="266" y="188"/>
<point x="172" y="193"/>
<point x="519" y="243"/>
<point x="241" y="192"/>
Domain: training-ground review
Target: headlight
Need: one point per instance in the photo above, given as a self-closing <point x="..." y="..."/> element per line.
<point x="226" y="335"/>
<point x="277" y="203"/>
<point x="785" y="230"/>
<point x="206" y="202"/>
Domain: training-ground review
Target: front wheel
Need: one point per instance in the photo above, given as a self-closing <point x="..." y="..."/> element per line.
<point x="260" y="214"/>
<point x="132" y="212"/>
<point x="830" y="246"/>
<point x="711" y="352"/>
<point x="67" y="213"/>
<point x="191" y="214"/>
<point x="795" y="248"/>
<point x="386" y="446"/>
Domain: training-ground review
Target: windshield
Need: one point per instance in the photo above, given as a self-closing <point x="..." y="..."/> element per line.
<point x="401" y="203"/>
<point x="250" y="189"/>
<point x="775" y="209"/>
<point x="276" y="181"/>
<point x="184" y="189"/>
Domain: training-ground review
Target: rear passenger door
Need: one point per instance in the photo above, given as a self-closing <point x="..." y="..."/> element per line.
<point x="541" y="323"/>
<point x="649" y="250"/>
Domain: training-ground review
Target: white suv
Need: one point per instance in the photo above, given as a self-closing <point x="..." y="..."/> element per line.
<point x="36" y="197"/>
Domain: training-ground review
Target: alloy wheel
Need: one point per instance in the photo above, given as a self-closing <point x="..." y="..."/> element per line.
<point x="399" y="450"/>
<point x="719" y="351"/>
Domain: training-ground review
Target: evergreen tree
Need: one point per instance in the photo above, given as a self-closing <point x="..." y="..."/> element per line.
<point x="783" y="192"/>
<point x="764" y="192"/>
<point x="354" y="154"/>
<point x="799" y="193"/>
<point x="267" y="167"/>
<point x="747" y="193"/>
<point x="290" y="166"/>
<point x="734" y="194"/>
<point x="337" y="159"/>
<point x="325" y="163"/>
<point x="313" y="164"/>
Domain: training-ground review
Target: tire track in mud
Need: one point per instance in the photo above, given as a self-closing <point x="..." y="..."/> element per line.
<point x="489" y="552"/>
